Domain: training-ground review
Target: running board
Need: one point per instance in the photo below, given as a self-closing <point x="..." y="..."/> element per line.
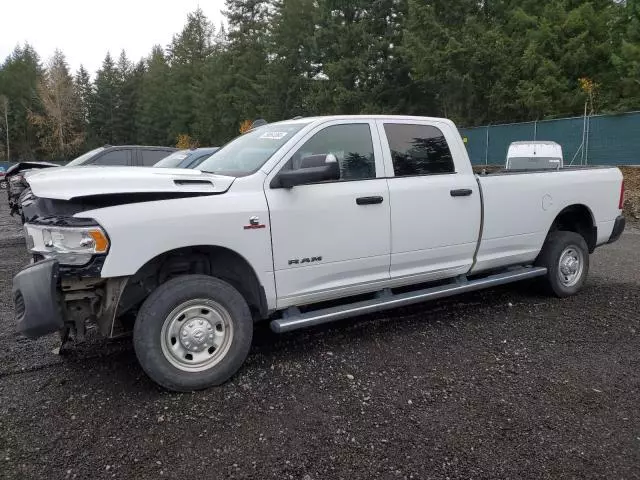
<point x="387" y="301"/>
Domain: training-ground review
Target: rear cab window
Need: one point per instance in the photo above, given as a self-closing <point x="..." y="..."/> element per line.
<point x="418" y="150"/>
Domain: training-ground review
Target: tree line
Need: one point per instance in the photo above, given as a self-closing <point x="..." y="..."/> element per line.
<point x="475" y="61"/>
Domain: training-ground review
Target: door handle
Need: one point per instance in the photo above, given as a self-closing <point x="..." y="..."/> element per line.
<point x="461" y="192"/>
<point x="369" y="200"/>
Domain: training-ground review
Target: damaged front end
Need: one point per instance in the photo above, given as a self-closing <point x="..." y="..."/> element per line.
<point x="62" y="290"/>
<point x="47" y="302"/>
<point x="16" y="183"/>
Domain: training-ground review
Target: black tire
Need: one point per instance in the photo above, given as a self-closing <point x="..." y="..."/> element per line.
<point x="554" y="246"/>
<point x="156" y="310"/>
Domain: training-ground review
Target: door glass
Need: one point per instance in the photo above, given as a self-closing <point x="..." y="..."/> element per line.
<point x="351" y="144"/>
<point x="151" y="157"/>
<point x="418" y="150"/>
<point x="114" y="157"/>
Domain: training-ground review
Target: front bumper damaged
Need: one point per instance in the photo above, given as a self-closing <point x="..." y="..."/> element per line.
<point x="37" y="299"/>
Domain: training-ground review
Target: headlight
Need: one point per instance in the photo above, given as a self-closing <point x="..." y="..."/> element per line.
<point x="69" y="245"/>
<point x="15" y="179"/>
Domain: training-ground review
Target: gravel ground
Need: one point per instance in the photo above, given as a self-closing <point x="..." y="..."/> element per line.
<point x="505" y="383"/>
<point x="10" y="227"/>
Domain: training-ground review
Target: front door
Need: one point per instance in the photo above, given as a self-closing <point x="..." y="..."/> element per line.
<point x="331" y="238"/>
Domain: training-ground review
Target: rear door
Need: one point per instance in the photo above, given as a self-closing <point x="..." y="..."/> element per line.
<point x="332" y="239"/>
<point x="435" y="201"/>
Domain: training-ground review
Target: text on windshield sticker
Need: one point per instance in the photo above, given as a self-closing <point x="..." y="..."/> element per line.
<point x="274" y="135"/>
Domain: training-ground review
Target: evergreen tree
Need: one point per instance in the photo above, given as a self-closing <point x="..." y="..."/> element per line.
<point x="288" y="77"/>
<point x="84" y="91"/>
<point x="153" y="113"/>
<point x="20" y="75"/>
<point x="476" y="62"/>
<point x="129" y="81"/>
<point x="102" y="111"/>
<point x="245" y="60"/>
<point x="626" y="60"/>
<point x="187" y="54"/>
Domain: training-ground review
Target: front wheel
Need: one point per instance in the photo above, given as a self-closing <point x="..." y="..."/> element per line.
<point x="193" y="332"/>
<point x="566" y="257"/>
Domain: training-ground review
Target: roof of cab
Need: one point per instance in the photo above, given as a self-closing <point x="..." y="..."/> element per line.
<point x="305" y="120"/>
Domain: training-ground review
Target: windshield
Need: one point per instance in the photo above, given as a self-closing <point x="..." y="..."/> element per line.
<point x="194" y="161"/>
<point x="173" y="160"/>
<point x="247" y="153"/>
<point x="83" y="158"/>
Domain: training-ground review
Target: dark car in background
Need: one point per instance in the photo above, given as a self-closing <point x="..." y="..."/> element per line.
<point x="123" y="155"/>
<point x="187" y="158"/>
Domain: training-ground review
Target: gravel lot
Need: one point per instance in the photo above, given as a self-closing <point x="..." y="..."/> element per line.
<point x="505" y="383"/>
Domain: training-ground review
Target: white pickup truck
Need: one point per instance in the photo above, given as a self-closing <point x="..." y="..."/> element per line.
<point x="299" y="223"/>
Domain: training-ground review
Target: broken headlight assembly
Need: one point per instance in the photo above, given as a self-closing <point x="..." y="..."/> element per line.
<point x="68" y="245"/>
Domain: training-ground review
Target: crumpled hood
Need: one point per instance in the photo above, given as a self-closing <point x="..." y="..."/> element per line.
<point x="76" y="182"/>
<point x="27" y="166"/>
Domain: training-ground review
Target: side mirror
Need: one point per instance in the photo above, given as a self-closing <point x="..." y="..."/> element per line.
<point x="329" y="170"/>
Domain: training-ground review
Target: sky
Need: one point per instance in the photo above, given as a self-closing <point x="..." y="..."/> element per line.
<point x="86" y="30"/>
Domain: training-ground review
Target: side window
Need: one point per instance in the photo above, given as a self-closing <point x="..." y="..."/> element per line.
<point x="151" y="157"/>
<point x="351" y="144"/>
<point x="114" y="157"/>
<point x="418" y="150"/>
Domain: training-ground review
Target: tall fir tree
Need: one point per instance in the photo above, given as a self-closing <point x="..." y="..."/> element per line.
<point x="84" y="92"/>
<point x="102" y="111"/>
<point x="20" y="75"/>
<point x="153" y="112"/>
<point x="187" y="54"/>
<point x="129" y="80"/>
<point x="289" y="74"/>
<point x="242" y="85"/>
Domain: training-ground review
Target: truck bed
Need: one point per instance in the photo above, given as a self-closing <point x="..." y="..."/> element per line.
<point x="518" y="208"/>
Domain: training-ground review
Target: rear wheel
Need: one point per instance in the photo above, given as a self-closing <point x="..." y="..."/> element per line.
<point x="566" y="257"/>
<point x="193" y="332"/>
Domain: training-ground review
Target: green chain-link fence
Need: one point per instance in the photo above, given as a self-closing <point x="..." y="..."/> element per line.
<point x="601" y="140"/>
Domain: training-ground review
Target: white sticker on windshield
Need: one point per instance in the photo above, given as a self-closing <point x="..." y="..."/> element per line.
<point x="274" y="135"/>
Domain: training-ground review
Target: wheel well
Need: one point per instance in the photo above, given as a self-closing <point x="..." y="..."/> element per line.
<point x="220" y="262"/>
<point x="578" y="219"/>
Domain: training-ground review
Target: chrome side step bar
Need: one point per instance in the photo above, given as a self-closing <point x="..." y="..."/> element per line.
<point x="386" y="300"/>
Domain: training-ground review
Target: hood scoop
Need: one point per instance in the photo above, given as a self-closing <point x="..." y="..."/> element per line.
<point x="190" y="181"/>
